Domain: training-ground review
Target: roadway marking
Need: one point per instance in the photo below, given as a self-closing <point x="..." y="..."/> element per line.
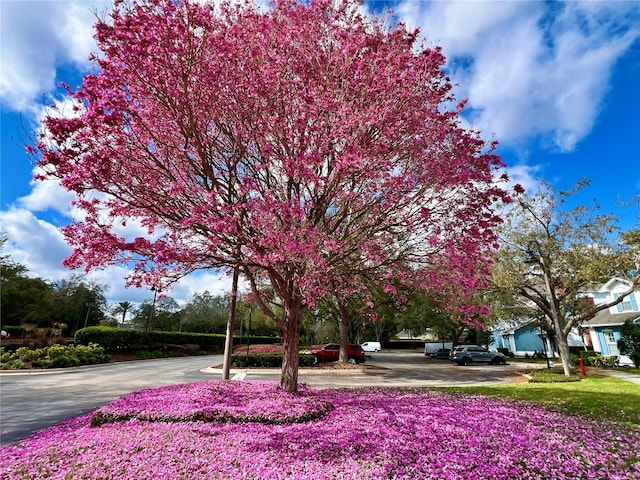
<point x="239" y="375"/>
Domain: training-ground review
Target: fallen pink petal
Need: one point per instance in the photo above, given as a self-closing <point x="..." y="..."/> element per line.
<point x="262" y="432"/>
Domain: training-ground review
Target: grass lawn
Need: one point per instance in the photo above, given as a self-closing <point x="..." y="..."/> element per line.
<point x="592" y="396"/>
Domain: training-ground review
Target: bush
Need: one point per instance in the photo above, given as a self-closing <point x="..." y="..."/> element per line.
<point x="4" y="355"/>
<point x="28" y="355"/>
<point x="601" y="362"/>
<point x="17" y="364"/>
<point x="114" y="339"/>
<point x="146" y="354"/>
<point x="42" y="363"/>
<point x="14" y="330"/>
<point x="119" y="339"/>
<point x="54" y="356"/>
<point x="63" y="361"/>
<point x="267" y="360"/>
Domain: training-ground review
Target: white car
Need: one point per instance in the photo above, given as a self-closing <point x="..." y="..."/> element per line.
<point x="371" y="346"/>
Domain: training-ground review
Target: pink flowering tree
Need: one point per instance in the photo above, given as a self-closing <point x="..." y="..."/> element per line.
<point x="306" y="146"/>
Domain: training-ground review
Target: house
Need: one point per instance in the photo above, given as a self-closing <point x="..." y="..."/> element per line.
<point x="521" y="339"/>
<point x="603" y="330"/>
<point x="525" y="338"/>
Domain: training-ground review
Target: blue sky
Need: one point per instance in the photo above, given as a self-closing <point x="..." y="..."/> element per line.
<point x="556" y="83"/>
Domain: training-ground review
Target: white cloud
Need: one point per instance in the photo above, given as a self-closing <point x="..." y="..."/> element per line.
<point x="530" y="72"/>
<point x="38" y="37"/>
<point x="525" y="175"/>
<point x="46" y="195"/>
<point x="40" y="246"/>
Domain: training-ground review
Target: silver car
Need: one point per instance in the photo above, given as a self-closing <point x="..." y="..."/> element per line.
<point x="467" y="354"/>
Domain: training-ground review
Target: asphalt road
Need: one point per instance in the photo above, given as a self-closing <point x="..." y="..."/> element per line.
<point x="33" y="401"/>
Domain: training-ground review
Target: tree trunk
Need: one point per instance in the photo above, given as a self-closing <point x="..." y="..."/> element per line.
<point x="343" y="334"/>
<point x="228" y="341"/>
<point x="291" y="344"/>
<point x="563" y="350"/>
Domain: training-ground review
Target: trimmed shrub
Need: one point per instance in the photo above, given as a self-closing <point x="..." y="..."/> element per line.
<point x="27" y="354"/>
<point x="63" y="361"/>
<point x="17" y="364"/>
<point x="602" y="362"/>
<point x="54" y="356"/>
<point x="42" y="363"/>
<point x="267" y="360"/>
<point x="14" y="330"/>
<point x="121" y="339"/>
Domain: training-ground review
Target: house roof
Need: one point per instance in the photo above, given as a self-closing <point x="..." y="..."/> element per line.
<point x="606" y="318"/>
<point x="514" y="328"/>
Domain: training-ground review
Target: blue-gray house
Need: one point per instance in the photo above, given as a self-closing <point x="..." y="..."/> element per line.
<point x="603" y="331"/>
<point x="526" y="338"/>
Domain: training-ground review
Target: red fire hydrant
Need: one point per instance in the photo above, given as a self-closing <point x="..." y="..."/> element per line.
<point x="582" y="369"/>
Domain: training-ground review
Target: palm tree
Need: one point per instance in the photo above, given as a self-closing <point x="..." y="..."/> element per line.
<point x="123" y="307"/>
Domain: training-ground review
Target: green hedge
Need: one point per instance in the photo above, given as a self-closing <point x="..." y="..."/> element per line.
<point x="14" y="330"/>
<point x="121" y="339"/>
<point x="268" y="360"/>
<point x="115" y="339"/>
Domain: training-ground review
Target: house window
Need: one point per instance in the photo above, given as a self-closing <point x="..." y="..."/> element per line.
<point x="629" y="303"/>
<point x="612" y="343"/>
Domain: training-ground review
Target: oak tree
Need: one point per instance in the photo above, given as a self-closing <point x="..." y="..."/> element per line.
<point x="551" y="256"/>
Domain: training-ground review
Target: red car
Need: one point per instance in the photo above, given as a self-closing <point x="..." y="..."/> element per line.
<point x="331" y="352"/>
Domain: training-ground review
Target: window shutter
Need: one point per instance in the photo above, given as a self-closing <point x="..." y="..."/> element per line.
<point x="618" y="306"/>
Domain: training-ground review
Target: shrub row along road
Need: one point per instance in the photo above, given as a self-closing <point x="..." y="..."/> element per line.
<point x="31" y="401"/>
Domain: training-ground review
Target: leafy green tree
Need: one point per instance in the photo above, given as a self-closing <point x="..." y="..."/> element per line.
<point x="254" y="322"/>
<point x="206" y="313"/>
<point x="551" y="255"/>
<point x="78" y="302"/>
<point x="163" y="314"/>
<point x="629" y="343"/>
<point x="23" y="299"/>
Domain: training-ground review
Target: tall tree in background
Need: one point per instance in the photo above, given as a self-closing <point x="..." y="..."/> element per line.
<point x="550" y="256"/>
<point x="206" y="313"/>
<point x="123" y="308"/>
<point x="300" y="143"/>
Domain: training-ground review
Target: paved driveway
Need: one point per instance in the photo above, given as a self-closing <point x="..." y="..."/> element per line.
<point x="399" y="369"/>
<point x="32" y="401"/>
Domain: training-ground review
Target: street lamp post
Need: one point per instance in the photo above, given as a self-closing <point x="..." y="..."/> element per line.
<point x="249" y="331"/>
<point x="86" y="317"/>
<point x="544" y="347"/>
<point x="155" y="290"/>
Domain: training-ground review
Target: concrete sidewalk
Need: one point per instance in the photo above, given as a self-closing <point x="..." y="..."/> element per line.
<point x="618" y="373"/>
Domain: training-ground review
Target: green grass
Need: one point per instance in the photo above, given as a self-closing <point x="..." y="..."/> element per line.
<point x="592" y="396"/>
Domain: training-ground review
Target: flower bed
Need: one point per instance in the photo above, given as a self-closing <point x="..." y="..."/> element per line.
<point x="215" y="401"/>
<point x="257" y="349"/>
<point x="370" y="433"/>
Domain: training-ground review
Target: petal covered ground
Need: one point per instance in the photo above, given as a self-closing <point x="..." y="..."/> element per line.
<point x="351" y="434"/>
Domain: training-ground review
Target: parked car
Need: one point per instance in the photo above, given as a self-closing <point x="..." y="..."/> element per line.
<point x="467" y="354"/>
<point x="441" y="353"/>
<point x="371" y="346"/>
<point x="331" y="352"/>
